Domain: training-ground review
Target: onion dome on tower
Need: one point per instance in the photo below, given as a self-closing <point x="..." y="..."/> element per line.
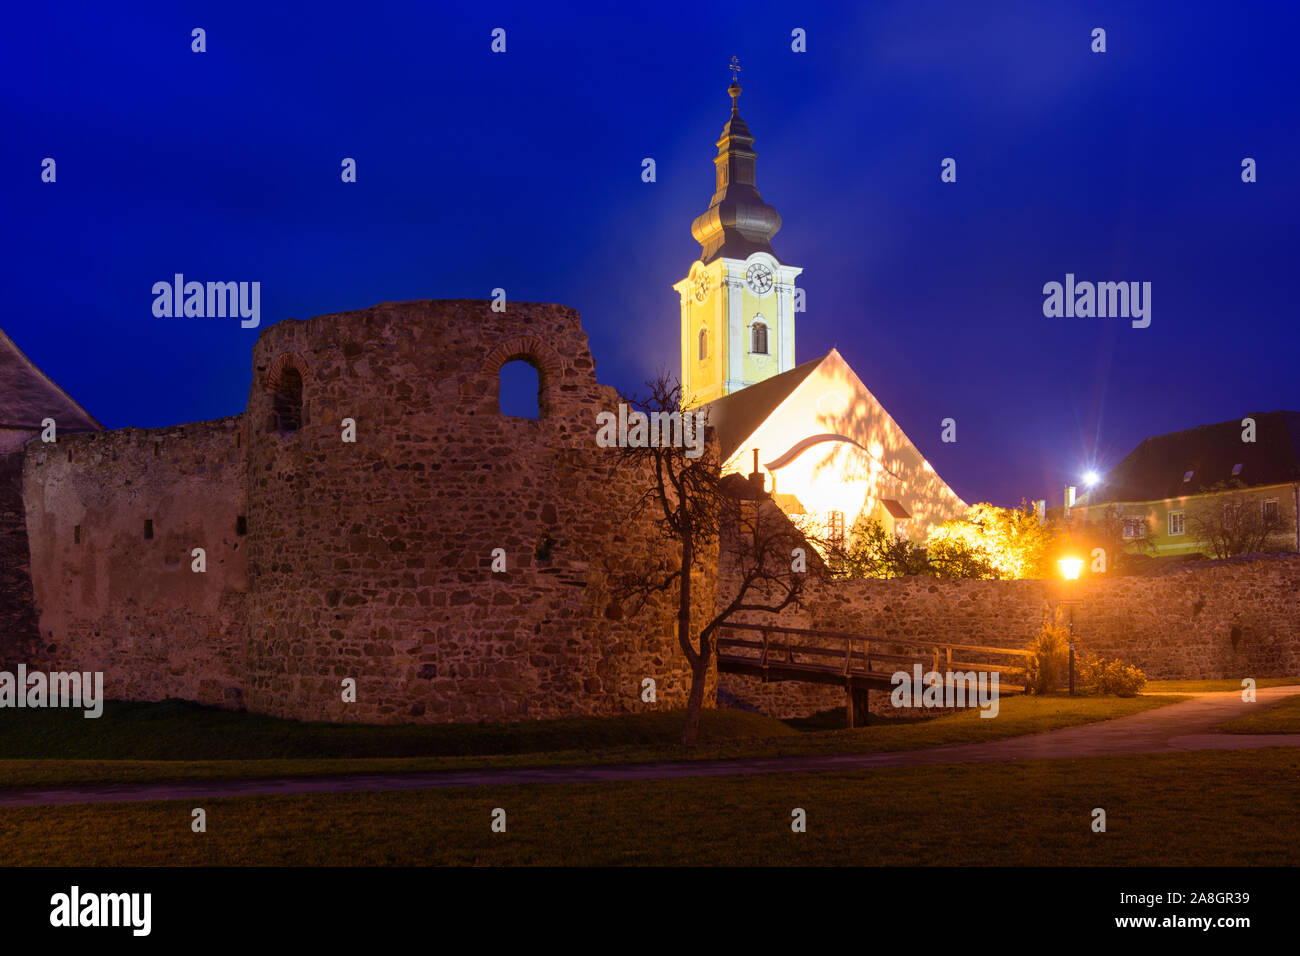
<point x="737" y="222"/>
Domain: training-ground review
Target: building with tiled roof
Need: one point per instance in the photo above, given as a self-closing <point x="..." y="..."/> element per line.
<point x="1160" y="488"/>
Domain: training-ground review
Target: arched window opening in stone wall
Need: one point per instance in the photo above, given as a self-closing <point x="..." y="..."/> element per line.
<point x="524" y="372"/>
<point x="704" y="344"/>
<point x="286" y="400"/>
<point x="758" y="339"/>
<point x="520" y="389"/>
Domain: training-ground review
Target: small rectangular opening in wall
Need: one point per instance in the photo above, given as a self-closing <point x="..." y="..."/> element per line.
<point x="76" y="534"/>
<point x="241" y="525"/>
<point x="156" y="446"/>
<point x="148" y="529"/>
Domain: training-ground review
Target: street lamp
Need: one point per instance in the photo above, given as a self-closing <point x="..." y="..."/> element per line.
<point x="1070" y="568"/>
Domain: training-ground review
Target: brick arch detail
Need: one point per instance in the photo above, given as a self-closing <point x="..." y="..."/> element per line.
<point x="548" y="362"/>
<point x="533" y="350"/>
<point x="281" y="362"/>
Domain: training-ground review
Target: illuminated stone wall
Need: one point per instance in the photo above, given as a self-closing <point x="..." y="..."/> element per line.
<point x="113" y="518"/>
<point x="19" y="638"/>
<point x="371" y="560"/>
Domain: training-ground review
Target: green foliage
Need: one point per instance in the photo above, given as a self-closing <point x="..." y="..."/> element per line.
<point x="873" y="553"/>
<point x="957" y="558"/>
<point x="988" y="541"/>
<point x="1097" y="675"/>
<point x="1049" y="667"/>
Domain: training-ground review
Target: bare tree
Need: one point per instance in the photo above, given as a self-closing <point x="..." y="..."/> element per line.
<point x="1125" y="538"/>
<point x="696" y="507"/>
<point x="1231" y="521"/>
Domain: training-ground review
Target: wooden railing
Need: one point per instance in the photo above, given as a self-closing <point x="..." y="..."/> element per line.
<point x="844" y="658"/>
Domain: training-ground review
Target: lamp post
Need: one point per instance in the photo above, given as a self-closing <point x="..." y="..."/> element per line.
<point x="1070" y="568"/>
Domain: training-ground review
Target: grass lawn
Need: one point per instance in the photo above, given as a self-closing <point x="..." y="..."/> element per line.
<point x="1205" y="808"/>
<point x="1282" y="717"/>
<point x="1201" y="686"/>
<point x="172" y="741"/>
<point x="180" y="730"/>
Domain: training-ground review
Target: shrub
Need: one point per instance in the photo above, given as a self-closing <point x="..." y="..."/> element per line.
<point x="872" y="552"/>
<point x="992" y="542"/>
<point x="1097" y="675"/>
<point x="1049" y="666"/>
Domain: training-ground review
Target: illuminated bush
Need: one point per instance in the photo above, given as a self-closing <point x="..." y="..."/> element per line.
<point x="1005" y="542"/>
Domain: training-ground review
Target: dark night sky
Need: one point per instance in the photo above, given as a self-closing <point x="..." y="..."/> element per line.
<point x="522" y="170"/>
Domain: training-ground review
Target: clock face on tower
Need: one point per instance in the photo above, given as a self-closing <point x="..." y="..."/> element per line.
<point x="701" y="286"/>
<point x="759" y="279"/>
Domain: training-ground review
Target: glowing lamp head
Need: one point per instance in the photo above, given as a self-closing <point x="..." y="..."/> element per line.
<point x="1091" y="478"/>
<point x="1070" y="568"/>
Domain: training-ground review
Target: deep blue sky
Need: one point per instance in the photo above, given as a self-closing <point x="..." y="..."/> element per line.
<point x="522" y="170"/>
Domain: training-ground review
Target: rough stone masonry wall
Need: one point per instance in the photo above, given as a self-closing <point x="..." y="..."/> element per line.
<point x="372" y="560"/>
<point x="1219" y="620"/>
<point x="19" y="634"/>
<point x="112" y="600"/>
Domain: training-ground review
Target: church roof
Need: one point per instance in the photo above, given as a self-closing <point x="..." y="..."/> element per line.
<point x="736" y="416"/>
<point x="28" y="395"/>
<point x="738" y="222"/>
<point x="1191" y="461"/>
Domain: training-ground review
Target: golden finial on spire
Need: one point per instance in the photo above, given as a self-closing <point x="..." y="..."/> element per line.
<point x="734" y="88"/>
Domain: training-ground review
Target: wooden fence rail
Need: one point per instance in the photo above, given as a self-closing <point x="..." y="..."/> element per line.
<point x="844" y="658"/>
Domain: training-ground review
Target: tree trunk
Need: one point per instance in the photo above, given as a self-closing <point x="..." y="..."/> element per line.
<point x="695" y="703"/>
<point x="696" y="699"/>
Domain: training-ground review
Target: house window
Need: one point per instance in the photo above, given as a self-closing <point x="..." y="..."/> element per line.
<point x="704" y="344"/>
<point x="1177" y="523"/>
<point x="835" y="527"/>
<point x="758" y="338"/>
<point x="1135" y="528"/>
<point x="1236" y="469"/>
<point x="1188" y="476"/>
<point x="1271" y="513"/>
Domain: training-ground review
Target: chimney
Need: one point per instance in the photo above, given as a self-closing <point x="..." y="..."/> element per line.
<point x="1040" y="509"/>
<point x="756" y="476"/>
<point x="1069" y="499"/>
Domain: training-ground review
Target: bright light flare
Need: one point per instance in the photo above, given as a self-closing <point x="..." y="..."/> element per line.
<point x="1070" y="568"/>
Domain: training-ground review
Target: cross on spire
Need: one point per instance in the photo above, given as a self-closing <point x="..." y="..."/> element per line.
<point x="735" y="68"/>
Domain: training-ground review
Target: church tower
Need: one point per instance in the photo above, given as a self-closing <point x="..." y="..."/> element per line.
<point x="738" y="299"/>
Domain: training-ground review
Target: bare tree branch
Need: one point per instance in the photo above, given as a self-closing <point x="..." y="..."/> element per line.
<point x="697" y="507"/>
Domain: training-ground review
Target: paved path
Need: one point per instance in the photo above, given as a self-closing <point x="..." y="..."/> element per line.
<point x="1177" y="727"/>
